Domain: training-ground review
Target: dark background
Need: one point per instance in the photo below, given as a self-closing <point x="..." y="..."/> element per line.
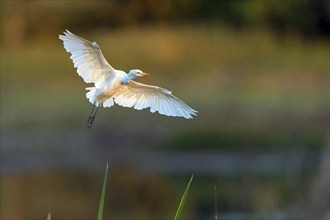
<point x="257" y="72"/>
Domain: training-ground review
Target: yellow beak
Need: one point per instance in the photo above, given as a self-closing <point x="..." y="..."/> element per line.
<point x="145" y="74"/>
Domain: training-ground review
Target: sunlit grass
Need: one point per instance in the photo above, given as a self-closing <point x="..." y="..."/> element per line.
<point x="102" y="198"/>
<point x="243" y="78"/>
<point x="168" y="51"/>
<point x="253" y="65"/>
<point x="183" y="200"/>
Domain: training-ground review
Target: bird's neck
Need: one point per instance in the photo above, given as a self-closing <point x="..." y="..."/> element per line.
<point x="129" y="77"/>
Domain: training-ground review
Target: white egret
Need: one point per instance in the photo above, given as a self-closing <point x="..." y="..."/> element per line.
<point x="115" y="86"/>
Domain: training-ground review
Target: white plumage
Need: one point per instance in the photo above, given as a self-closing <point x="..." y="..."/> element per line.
<point x="115" y="86"/>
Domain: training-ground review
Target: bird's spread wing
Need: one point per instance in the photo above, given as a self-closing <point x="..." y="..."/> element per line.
<point x="141" y="96"/>
<point x="87" y="58"/>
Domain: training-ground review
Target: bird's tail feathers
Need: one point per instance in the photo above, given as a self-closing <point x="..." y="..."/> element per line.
<point x="92" y="97"/>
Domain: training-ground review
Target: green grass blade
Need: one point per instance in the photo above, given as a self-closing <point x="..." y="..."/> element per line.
<point x="100" y="213"/>
<point x="183" y="199"/>
<point x="49" y="216"/>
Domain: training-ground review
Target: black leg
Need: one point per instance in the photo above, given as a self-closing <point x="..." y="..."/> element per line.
<point x="92" y="110"/>
<point x="96" y="110"/>
<point x="91" y="117"/>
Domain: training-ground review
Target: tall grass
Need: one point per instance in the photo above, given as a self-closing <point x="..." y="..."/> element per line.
<point x="102" y="198"/>
<point x="101" y="205"/>
<point x="49" y="216"/>
<point x="183" y="200"/>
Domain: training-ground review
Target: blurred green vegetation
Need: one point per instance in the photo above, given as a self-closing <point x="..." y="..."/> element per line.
<point x="309" y="18"/>
<point x="260" y="92"/>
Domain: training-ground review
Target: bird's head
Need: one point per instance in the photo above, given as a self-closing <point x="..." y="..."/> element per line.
<point x="137" y="73"/>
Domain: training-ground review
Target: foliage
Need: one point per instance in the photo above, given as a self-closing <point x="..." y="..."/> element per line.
<point x="44" y="17"/>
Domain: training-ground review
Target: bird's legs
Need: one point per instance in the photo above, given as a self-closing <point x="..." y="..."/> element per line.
<point x="91" y="117"/>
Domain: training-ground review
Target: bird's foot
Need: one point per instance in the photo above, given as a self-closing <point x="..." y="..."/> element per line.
<point x="90" y="121"/>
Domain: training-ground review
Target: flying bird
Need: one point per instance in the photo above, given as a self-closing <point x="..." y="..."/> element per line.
<point x="116" y="86"/>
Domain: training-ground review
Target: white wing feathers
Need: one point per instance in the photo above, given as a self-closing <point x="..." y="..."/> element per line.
<point x="93" y="68"/>
<point x="141" y="96"/>
<point x="87" y="58"/>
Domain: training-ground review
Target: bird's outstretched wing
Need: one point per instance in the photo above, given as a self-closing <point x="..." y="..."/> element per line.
<point x="141" y="96"/>
<point x="87" y="58"/>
